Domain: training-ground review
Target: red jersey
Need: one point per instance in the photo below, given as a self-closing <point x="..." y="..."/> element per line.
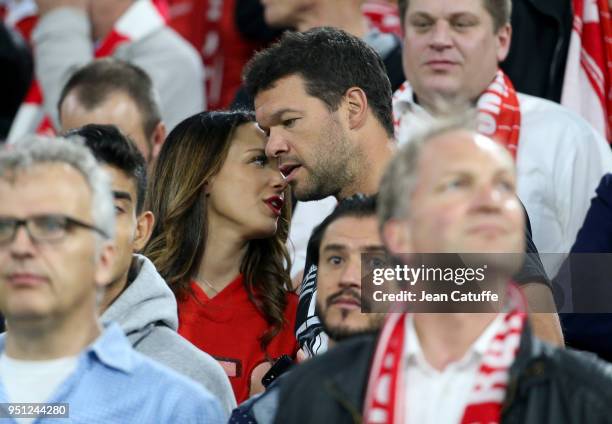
<point x="229" y="326"/>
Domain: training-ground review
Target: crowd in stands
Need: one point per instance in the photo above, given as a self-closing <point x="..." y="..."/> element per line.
<point x="206" y="207"/>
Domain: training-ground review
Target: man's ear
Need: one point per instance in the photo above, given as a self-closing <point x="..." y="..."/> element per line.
<point x="144" y="228"/>
<point x="157" y="139"/>
<point x="504" y="36"/>
<point x="104" y="266"/>
<point x="396" y="237"/>
<point x="357" y="103"/>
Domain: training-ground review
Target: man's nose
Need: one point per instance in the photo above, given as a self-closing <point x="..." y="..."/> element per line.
<point x="22" y="244"/>
<point x="276" y="144"/>
<point x="351" y="274"/>
<point x="488" y="197"/>
<point x="441" y="35"/>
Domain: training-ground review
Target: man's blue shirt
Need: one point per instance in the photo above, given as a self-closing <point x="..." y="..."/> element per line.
<point x="115" y="384"/>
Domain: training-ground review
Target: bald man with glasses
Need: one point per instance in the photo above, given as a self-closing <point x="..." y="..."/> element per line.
<point x="57" y="223"/>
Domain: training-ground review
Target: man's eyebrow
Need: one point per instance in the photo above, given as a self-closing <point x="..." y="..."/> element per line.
<point x="276" y="115"/>
<point x="420" y="14"/>
<point x="334" y="246"/>
<point x="374" y="248"/>
<point x="122" y="195"/>
<point x="456" y="15"/>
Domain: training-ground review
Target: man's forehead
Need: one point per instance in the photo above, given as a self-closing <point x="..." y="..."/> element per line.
<point x="452" y="148"/>
<point x="352" y="233"/>
<point x="56" y="173"/>
<point x="445" y="7"/>
<point x="121" y="182"/>
<point x="47" y="187"/>
<point x="117" y="108"/>
<point x="284" y="93"/>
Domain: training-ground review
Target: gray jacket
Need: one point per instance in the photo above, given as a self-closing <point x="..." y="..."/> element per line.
<point x="62" y="42"/>
<point x="146" y="311"/>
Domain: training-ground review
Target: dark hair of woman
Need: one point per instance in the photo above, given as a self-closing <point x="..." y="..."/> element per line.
<point x="194" y="152"/>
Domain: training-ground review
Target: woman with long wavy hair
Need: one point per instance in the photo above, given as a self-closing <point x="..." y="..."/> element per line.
<point x="221" y="212"/>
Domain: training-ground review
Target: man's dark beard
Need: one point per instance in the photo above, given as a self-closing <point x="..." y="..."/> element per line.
<point x="334" y="167"/>
<point x="342" y="332"/>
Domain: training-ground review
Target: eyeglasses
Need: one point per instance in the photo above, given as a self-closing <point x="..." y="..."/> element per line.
<point x="42" y="228"/>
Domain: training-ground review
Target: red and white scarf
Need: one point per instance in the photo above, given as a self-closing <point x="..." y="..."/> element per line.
<point x="385" y="396"/>
<point x="140" y="20"/>
<point x="499" y="114"/>
<point x="19" y="15"/>
<point x="587" y="85"/>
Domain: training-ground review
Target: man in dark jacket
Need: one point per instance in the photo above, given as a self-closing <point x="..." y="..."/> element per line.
<point x="454" y="191"/>
<point x="548" y="385"/>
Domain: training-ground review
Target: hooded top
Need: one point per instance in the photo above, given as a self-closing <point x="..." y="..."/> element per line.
<point x="147" y="313"/>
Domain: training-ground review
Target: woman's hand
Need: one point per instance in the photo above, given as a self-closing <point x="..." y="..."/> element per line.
<point x="256" y="376"/>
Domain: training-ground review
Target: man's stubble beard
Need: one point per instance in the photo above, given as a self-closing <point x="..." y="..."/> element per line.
<point x="334" y="166"/>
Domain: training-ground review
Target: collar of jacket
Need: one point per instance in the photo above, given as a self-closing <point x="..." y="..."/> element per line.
<point x="556" y="9"/>
<point x="349" y="384"/>
<point x="530" y="366"/>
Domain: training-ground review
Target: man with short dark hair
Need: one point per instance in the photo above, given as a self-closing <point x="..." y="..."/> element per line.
<point x="452" y="51"/>
<point x="57" y="223"/>
<point x="323" y="99"/>
<point x="344" y="127"/>
<point x="451" y="191"/>
<point x="327" y="80"/>
<point x="110" y="91"/>
<point x="337" y="246"/>
<point x="138" y="298"/>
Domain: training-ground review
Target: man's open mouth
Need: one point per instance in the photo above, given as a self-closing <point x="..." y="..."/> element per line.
<point x="289" y="169"/>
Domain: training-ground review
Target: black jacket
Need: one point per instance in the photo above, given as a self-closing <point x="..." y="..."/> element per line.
<point x="547" y="385"/>
<point x="541" y="31"/>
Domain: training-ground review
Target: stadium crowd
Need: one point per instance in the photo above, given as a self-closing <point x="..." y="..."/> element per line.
<point x="195" y="196"/>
